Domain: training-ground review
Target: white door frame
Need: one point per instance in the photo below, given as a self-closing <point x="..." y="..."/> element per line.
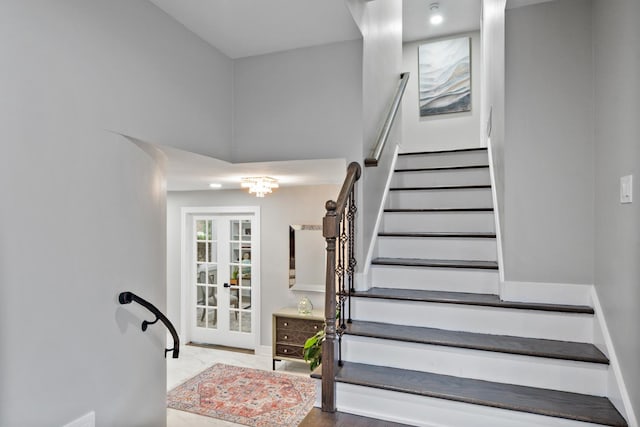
<point x="185" y="257"/>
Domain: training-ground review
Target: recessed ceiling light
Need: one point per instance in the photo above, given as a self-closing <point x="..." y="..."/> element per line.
<point x="215" y="185"/>
<point x="435" y="18"/>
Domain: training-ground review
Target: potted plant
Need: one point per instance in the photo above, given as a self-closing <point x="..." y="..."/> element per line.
<point x="312" y="351"/>
<point x="234" y="277"/>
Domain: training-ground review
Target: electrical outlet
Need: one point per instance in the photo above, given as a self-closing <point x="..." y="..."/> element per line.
<point x="626" y="189"/>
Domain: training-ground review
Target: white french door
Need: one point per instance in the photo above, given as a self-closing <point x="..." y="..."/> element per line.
<point x="223" y="272"/>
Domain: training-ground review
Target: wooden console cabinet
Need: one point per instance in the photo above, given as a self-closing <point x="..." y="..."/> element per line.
<point x="291" y="330"/>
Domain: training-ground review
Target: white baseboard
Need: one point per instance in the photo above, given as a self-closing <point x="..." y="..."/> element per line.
<point x="372" y="245"/>
<point x="264" y="350"/>
<point x="550" y="293"/>
<point x="617" y="390"/>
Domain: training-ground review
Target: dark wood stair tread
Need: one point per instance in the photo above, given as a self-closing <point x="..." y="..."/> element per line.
<point x="582" y="352"/>
<point x="419" y="210"/>
<point x="442" y="187"/>
<point x="317" y="418"/>
<point x="470" y="235"/>
<point x="441" y="168"/>
<point x="553" y="403"/>
<point x="437" y="263"/>
<point x="467" y="298"/>
<point x="457" y="150"/>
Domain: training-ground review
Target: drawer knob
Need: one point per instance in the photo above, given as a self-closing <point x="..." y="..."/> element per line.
<point x="286" y="351"/>
<point x="286" y="324"/>
<point x="315" y="326"/>
<point x="286" y="337"/>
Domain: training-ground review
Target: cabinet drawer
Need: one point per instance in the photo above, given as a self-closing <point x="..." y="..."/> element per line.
<point x="289" y="351"/>
<point x="302" y="325"/>
<point x="286" y="336"/>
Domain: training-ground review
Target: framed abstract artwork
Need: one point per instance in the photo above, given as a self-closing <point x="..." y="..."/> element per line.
<point x="445" y="76"/>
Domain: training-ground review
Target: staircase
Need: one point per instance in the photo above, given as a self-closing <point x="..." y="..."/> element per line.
<point x="432" y="344"/>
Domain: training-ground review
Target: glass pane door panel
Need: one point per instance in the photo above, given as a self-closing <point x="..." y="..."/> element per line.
<point x="246" y="230"/>
<point x="211" y="230"/>
<point x="245" y="302"/>
<point x="201" y="298"/>
<point x="234" y="297"/>
<point x="212" y="319"/>
<point x="202" y="252"/>
<point x="245" y="321"/>
<point x="212" y="300"/>
<point x="201" y="230"/>
<point x="234" y="320"/>
<point x="200" y="313"/>
<point x="235" y="231"/>
<point x="234" y="255"/>
<point x="212" y="276"/>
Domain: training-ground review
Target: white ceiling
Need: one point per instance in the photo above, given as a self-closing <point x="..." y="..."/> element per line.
<point x="240" y="28"/>
<point x="186" y="171"/>
<point x="460" y="16"/>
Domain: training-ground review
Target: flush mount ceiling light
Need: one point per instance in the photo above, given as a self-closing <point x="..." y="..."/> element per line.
<point x="260" y="185"/>
<point x="435" y="17"/>
<point x="215" y="185"/>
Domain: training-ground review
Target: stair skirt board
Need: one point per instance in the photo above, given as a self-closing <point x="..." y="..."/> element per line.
<point x="434" y="247"/>
<point x="486" y="320"/>
<point x="571" y="376"/>
<point x="482" y="221"/>
<point x="436" y="279"/>
<point x="449" y="198"/>
<point x="421" y="178"/>
<point x="424" y="411"/>
<point x="419" y="161"/>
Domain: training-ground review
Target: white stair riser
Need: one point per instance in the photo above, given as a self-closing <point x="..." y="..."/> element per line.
<point x="465" y="158"/>
<point x="576" y="377"/>
<point x="480" y="222"/>
<point x="467" y="198"/>
<point x="424" y="411"/>
<point x="446" y="177"/>
<point x="487" y="320"/>
<point x="436" y="279"/>
<point x="438" y="248"/>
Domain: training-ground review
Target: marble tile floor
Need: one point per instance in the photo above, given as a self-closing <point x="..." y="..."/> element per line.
<point x="194" y="360"/>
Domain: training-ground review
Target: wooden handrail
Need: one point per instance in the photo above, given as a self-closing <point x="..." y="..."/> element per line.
<point x="388" y="123"/>
<point x="333" y="229"/>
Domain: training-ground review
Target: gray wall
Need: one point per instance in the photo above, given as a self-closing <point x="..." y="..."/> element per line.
<point x="299" y="104"/>
<point x="616" y="44"/>
<point x="287" y="205"/>
<point x="548" y="222"/>
<point x="381" y="25"/>
<point x="83" y="210"/>
<point x="444" y="131"/>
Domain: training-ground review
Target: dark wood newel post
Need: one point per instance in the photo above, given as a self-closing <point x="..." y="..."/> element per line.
<point x="331" y="223"/>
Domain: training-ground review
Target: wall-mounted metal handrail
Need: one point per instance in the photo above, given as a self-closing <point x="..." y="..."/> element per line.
<point x="128" y="297"/>
<point x="388" y="123"/>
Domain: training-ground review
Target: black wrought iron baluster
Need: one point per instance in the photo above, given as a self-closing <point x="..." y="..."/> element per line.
<point x="345" y="266"/>
<point x="351" y="215"/>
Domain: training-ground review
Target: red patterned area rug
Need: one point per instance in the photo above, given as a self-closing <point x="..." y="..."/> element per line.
<point x="246" y="396"/>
